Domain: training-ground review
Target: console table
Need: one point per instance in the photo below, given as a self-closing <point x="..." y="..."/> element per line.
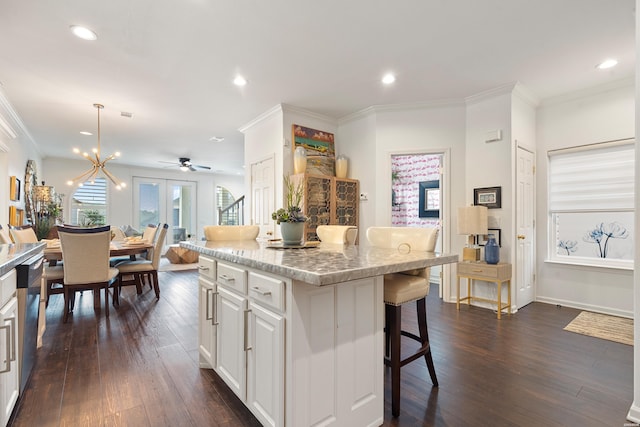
<point x="495" y="273"/>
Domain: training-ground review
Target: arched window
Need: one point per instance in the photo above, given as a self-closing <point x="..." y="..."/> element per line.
<point x="223" y="197"/>
<point x="89" y="204"/>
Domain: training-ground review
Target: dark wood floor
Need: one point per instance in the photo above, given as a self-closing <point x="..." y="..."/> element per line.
<point x="139" y="368"/>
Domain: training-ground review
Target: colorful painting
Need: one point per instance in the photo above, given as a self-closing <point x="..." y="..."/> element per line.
<point x="320" y="149"/>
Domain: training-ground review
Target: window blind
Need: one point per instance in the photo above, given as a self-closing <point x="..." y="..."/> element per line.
<point x="593" y="179"/>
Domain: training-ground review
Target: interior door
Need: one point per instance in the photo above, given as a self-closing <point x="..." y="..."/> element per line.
<point x="525" y="226"/>
<point x="166" y="201"/>
<point x="263" y="196"/>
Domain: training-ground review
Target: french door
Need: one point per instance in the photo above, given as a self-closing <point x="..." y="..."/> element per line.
<point x="162" y="200"/>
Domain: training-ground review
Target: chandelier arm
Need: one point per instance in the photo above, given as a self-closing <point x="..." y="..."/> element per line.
<point x="110" y="176"/>
<point x="93" y="175"/>
<point x="83" y="174"/>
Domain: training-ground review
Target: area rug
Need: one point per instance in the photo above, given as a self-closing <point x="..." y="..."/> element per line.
<point x="612" y="328"/>
<point x="165" y="265"/>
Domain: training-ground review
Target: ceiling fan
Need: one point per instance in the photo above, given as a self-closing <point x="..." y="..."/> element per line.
<point x="184" y="163"/>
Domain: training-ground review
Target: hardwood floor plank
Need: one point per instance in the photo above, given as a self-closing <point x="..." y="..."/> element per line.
<point x="140" y="368"/>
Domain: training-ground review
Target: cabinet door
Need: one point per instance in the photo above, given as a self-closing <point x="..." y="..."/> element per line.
<point x="347" y="201"/>
<point x="231" y="360"/>
<point x="265" y="366"/>
<point x="206" y="323"/>
<point x="9" y="376"/>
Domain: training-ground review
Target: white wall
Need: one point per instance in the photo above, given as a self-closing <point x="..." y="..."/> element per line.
<point x="602" y="114"/>
<point x="57" y="171"/>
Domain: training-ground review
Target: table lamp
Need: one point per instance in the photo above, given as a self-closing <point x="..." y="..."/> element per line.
<point x="472" y="220"/>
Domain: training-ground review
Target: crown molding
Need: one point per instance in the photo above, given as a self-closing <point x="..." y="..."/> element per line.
<point x="628" y="81"/>
<point x="287" y="108"/>
<point x="11" y="124"/>
<point x="400" y="107"/>
<point x="262" y="117"/>
<point x="504" y="89"/>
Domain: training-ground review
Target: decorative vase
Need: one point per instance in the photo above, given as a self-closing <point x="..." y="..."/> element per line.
<point x="292" y="232"/>
<point x="299" y="160"/>
<point x="342" y="166"/>
<point x="491" y="251"/>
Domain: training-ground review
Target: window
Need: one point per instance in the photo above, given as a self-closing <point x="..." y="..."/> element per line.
<point x="591" y="205"/>
<point x="89" y="203"/>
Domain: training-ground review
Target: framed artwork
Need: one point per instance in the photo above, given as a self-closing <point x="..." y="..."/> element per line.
<point x="14" y="192"/>
<point x="319" y="147"/>
<point x="13" y="215"/>
<point x="482" y="238"/>
<point x="491" y="197"/>
<point x="429" y="199"/>
<point x="18" y="189"/>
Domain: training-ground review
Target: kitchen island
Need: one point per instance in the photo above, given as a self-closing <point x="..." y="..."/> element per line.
<point x="297" y="334"/>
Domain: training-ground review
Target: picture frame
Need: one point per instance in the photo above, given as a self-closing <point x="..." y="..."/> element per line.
<point x="429" y="199"/>
<point x="319" y="147"/>
<point x="18" y="189"/>
<point x="13" y="190"/>
<point x="483" y="238"/>
<point x="491" y="197"/>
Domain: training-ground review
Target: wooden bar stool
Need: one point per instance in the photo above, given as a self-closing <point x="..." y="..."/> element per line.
<point x="401" y="288"/>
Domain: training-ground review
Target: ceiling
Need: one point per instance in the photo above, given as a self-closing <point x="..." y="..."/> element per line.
<point x="171" y="63"/>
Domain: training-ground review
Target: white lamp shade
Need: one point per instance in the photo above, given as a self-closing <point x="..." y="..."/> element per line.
<point x="472" y="220"/>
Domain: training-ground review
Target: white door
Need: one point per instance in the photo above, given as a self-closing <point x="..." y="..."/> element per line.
<point x="231" y="359"/>
<point x="171" y="201"/>
<point x="265" y="366"/>
<point x="263" y="196"/>
<point x="524" y="274"/>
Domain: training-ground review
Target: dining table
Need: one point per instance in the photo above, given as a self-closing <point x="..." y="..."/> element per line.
<point x="117" y="248"/>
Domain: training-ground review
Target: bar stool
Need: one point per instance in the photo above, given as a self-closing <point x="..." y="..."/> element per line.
<point x="340" y="234"/>
<point x="401" y="288"/>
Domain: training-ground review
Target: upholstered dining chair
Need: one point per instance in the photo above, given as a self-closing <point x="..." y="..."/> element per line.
<point x="5" y="237"/>
<point x="149" y="234"/>
<point x="23" y="234"/>
<point x="135" y="272"/>
<point x="86" y="264"/>
<point x="231" y="232"/>
<point x="341" y="234"/>
<point x="401" y="288"/>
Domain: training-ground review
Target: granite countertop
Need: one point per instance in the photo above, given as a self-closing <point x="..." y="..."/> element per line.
<point x="12" y="255"/>
<point x="325" y="264"/>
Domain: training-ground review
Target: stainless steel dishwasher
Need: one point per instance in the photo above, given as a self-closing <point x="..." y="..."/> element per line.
<point x="29" y="275"/>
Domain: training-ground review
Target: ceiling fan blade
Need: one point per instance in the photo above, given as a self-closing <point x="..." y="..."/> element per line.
<point x="191" y="168"/>
<point x="169" y="163"/>
<point x="201" y="167"/>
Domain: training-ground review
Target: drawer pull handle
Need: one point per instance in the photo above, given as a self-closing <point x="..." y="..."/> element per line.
<point x="227" y="278"/>
<point x="202" y="268"/>
<point x="477" y="271"/>
<point x="207" y="304"/>
<point x="247" y="346"/>
<point x="7" y="348"/>
<point x="260" y="291"/>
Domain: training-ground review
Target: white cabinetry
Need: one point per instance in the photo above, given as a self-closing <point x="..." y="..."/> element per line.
<point x="232" y="335"/>
<point x="9" y="375"/>
<point x="206" y="312"/>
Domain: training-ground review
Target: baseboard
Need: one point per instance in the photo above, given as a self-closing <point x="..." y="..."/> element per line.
<point x="634" y="413"/>
<point x="587" y="307"/>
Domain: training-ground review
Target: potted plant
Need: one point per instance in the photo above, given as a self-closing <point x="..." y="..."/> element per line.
<point x="290" y="218"/>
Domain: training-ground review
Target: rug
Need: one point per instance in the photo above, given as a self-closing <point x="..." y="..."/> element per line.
<point x="612" y="328"/>
<point x="165" y="265"/>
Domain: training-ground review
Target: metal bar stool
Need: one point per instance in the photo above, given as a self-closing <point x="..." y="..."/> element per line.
<point x="401" y="288"/>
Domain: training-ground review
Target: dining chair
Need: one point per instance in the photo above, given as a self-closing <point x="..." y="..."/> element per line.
<point x="136" y="272"/>
<point x="231" y="232"/>
<point x="23" y="234"/>
<point x="149" y="234"/>
<point x="117" y="234"/>
<point x="5" y="237"/>
<point x="86" y="264"/>
<point x="401" y="288"/>
<point x="340" y="234"/>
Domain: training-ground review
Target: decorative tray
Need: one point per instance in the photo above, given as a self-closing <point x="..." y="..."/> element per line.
<point x="281" y="245"/>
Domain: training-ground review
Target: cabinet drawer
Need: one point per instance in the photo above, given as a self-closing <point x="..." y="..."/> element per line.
<point x="7" y="287"/>
<point x="501" y="271"/>
<point x="232" y="277"/>
<point x="207" y="267"/>
<point x="266" y="290"/>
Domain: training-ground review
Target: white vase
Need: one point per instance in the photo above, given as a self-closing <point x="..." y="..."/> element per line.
<point x="342" y="165"/>
<point x="299" y="160"/>
<point x="292" y="232"/>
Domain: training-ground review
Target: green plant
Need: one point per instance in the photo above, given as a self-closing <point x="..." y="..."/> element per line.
<point x="42" y="227"/>
<point x="292" y="212"/>
<point x="91" y="218"/>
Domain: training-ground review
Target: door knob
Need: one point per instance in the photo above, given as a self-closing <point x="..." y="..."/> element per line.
<point x="521" y="236"/>
<point x="269" y="233"/>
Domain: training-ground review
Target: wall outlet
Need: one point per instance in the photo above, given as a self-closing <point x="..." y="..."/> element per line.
<point x="364" y="196"/>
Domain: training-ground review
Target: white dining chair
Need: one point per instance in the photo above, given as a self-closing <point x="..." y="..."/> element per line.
<point x="23" y="234"/>
<point x="340" y="234"/>
<point x="86" y="264"/>
<point x="231" y="232"/>
<point x="5" y="237"/>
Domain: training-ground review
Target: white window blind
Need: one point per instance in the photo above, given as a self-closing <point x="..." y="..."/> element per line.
<point x="599" y="178"/>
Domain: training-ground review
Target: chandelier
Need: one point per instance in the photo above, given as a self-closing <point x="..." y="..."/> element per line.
<point x="97" y="164"/>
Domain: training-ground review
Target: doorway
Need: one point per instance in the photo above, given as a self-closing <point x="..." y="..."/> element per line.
<point x="417" y="195"/>
<point x="525" y="246"/>
<point x="161" y="200"/>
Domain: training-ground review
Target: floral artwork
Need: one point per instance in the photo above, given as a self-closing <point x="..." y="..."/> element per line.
<point x="579" y="236"/>
<point x="601" y="235"/>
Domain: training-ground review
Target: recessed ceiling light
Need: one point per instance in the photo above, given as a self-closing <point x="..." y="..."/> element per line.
<point x="388" y="79"/>
<point x="239" y="81"/>
<point x="83" y="32"/>
<point x="607" y="64"/>
<point x="84" y="132"/>
<point x="216" y="138"/>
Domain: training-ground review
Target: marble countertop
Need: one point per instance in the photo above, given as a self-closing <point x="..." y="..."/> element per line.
<point x="325" y="264"/>
<point x="12" y="255"/>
